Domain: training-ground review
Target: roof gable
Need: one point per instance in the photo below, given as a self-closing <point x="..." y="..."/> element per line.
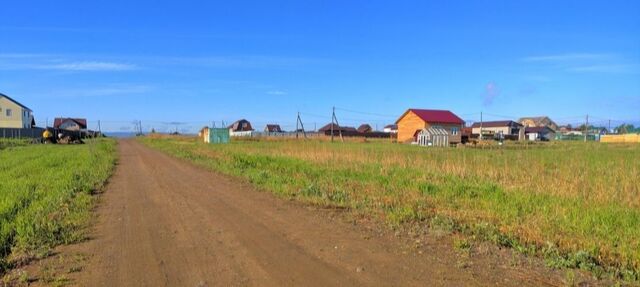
<point x="273" y="128"/>
<point x="241" y="126"/>
<point x="434" y="116"/>
<point x="15" y="102"/>
<point x="364" y="128"/>
<point x="59" y="121"/>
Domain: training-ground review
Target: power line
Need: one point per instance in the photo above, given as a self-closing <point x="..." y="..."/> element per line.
<point x="366" y="113"/>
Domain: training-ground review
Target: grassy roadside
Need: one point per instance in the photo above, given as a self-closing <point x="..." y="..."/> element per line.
<point x="7" y="143"/>
<point x="576" y="204"/>
<point x="46" y="195"/>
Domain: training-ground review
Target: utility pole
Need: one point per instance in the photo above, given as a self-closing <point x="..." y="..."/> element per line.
<point x="480" y="125"/>
<point x="586" y="128"/>
<point x="609" y="131"/>
<point x="99" y="128"/>
<point x="333" y="116"/>
<point x="297" y="121"/>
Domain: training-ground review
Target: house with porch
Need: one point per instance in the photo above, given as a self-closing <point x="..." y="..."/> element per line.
<point x="413" y="121"/>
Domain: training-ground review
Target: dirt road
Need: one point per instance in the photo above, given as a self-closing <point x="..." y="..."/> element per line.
<point x="165" y="222"/>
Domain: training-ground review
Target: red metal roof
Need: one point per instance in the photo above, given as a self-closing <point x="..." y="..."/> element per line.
<point x="435" y="116"/>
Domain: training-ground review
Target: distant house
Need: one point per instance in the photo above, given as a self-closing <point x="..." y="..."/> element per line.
<point x="542" y="121"/>
<point x="337" y="129"/>
<point x="392" y="129"/>
<point x="14" y="114"/>
<point x="411" y="122"/>
<point x="491" y="129"/>
<point x="568" y="130"/>
<point x="365" y="128"/>
<point x="70" y="124"/>
<point x="539" y="133"/>
<point x="272" y="128"/>
<point x="240" y="128"/>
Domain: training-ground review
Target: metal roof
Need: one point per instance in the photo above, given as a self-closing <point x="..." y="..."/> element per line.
<point x="435" y="116"/>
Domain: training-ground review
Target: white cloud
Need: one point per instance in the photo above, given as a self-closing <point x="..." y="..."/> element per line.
<point x="277" y="93"/>
<point x="31" y="61"/>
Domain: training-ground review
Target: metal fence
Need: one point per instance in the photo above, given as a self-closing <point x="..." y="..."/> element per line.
<point x="35" y="133"/>
<point x="16" y="133"/>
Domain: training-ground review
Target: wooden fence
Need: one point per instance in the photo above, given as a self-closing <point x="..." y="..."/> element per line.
<point x="627" y="138"/>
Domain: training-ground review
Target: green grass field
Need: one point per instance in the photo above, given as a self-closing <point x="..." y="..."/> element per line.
<point x="46" y="195"/>
<point x="575" y="204"/>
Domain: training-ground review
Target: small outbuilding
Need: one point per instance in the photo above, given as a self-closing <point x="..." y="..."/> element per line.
<point x="539" y="133"/>
<point x="215" y="135"/>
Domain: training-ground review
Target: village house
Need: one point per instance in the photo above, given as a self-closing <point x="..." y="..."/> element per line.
<point x="365" y="128"/>
<point x="413" y="121"/>
<point x="568" y="130"/>
<point x="492" y="129"/>
<point x="14" y="114"/>
<point x="337" y="130"/>
<point x="272" y="128"/>
<point x="240" y="128"/>
<point x="542" y="121"/>
<point x="391" y="129"/>
<point x="70" y="124"/>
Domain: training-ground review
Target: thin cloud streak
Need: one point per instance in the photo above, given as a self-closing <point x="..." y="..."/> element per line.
<point x="568" y="57"/>
<point x="88" y="66"/>
<point x="602" y="69"/>
<point x="34" y="61"/>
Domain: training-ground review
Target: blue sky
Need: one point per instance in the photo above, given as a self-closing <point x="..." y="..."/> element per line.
<point x="194" y="62"/>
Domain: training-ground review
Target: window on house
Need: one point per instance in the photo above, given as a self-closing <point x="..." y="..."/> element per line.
<point x="455" y="130"/>
<point x="9" y="112"/>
